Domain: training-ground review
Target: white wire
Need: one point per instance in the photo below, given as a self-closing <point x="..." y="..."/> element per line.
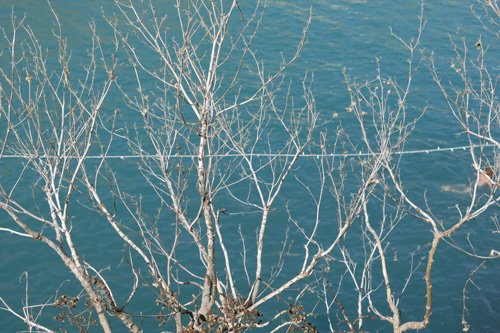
<point x="123" y="157"/>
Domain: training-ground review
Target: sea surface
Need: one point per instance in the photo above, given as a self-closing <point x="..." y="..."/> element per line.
<point x="351" y="36"/>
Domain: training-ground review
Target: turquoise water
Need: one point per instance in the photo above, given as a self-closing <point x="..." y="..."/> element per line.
<point x="342" y="34"/>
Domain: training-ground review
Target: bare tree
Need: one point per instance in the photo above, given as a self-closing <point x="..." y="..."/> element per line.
<point x="472" y="99"/>
<point x="218" y="135"/>
<point x="54" y="123"/>
<point x="381" y="107"/>
<point x="49" y="122"/>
